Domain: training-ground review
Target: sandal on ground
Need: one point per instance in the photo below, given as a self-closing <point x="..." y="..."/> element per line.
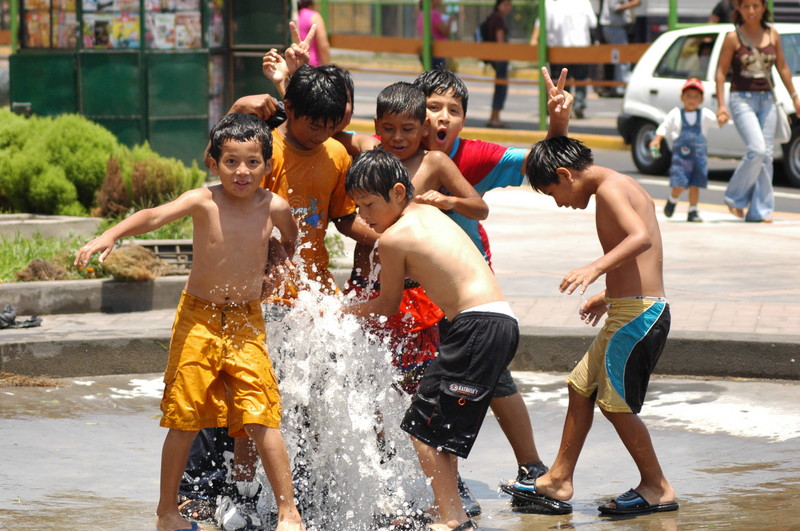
<point x="632" y="503"/>
<point x="738" y="212"/>
<point x="534" y="502"/>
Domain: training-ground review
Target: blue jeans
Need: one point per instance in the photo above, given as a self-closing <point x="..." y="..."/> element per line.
<point x="618" y="35"/>
<point x="500" y="91"/>
<point x="755" y="116"/>
<point x="580" y="73"/>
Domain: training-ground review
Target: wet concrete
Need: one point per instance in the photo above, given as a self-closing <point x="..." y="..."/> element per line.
<point x="86" y="455"/>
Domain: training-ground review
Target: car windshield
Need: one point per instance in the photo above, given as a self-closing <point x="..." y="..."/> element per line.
<point x="791" y="51"/>
<point x="687" y="57"/>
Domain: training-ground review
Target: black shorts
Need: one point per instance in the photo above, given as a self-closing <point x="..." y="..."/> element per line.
<point x="454" y="394"/>
<point x="506" y="386"/>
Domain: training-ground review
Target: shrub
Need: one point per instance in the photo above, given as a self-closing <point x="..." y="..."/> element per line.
<point x="50" y="190"/>
<point x="39" y="156"/>
<point x="40" y="269"/>
<point x="17" y="169"/>
<point x="134" y="263"/>
<point x="82" y="149"/>
<point x="113" y="198"/>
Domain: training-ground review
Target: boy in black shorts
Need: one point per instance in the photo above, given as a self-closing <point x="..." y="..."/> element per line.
<point x="420" y="242"/>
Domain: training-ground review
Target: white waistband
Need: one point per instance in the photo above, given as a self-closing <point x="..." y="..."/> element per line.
<point x="502" y="307"/>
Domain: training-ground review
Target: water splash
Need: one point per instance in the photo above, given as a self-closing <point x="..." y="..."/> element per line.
<point x="341" y="417"/>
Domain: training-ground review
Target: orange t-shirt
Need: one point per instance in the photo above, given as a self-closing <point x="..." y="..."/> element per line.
<point x="312" y="181"/>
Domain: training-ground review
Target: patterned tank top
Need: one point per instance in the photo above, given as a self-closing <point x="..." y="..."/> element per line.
<point x="748" y="76"/>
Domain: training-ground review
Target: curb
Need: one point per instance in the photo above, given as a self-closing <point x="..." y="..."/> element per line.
<point x="511" y="136"/>
<point x="540" y="349"/>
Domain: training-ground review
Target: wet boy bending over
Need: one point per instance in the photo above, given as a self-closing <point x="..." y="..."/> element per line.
<point x="420" y="242"/>
<point x="616" y="370"/>
<point x="219" y="373"/>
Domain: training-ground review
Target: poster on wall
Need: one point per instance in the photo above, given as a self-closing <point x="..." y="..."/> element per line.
<point x="160" y="31"/>
<point x="37" y="29"/>
<point x="188" y="30"/>
<point x="65" y="32"/>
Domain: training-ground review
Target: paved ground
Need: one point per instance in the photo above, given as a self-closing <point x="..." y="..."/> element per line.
<point x="85" y="455"/>
<point x="732" y="286"/>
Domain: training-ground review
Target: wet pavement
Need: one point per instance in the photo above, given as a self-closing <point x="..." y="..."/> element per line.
<point x="86" y="456"/>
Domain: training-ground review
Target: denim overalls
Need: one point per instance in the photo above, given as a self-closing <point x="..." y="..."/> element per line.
<point x="689" y="160"/>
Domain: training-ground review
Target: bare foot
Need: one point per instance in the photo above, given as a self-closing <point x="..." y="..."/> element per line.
<point x="172" y="522"/>
<point x="546" y="486"/>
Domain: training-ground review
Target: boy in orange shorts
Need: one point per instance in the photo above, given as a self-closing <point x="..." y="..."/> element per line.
<point x="219" y="373"/>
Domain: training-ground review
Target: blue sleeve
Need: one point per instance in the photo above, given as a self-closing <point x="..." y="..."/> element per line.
<point x="506" y="172"/>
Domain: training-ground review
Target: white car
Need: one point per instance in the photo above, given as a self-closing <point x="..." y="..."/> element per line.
<point x="655" y="87"/>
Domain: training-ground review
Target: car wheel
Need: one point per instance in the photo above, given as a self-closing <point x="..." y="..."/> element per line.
<point x="643" y="134"/>
<point x="791" y="158"/>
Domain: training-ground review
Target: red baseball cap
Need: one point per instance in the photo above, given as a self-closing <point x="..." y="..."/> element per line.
<point x="693" y="83"/>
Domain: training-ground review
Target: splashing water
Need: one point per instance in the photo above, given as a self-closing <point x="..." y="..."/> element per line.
<point x="341" y="416"/>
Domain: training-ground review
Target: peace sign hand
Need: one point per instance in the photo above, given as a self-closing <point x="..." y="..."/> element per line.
<point x="297" y="54"/>
<point x="559" y="104"/>
<point x="559" y="101"/>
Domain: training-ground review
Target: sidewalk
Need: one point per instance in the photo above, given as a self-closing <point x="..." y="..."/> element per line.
<point x="732" y="287"/>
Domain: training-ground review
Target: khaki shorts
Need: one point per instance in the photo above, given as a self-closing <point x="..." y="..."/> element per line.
<point x="219" y="373"/>
<point x="616" y="369"/>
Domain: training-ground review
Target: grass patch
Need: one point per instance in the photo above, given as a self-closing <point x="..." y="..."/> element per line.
<point x="17" y="252"/>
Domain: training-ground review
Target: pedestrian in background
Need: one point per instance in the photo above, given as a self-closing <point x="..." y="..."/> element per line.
<point x="497" y="31"/>
<point x="685" y="129"/>
<point x="441" y="27"/>
<point x="569" y="23"/>
<point x="615" y="17"/>
<point x="320" y="50"/>
<point x="750" y="52"/>
<point x="722" y="12"/>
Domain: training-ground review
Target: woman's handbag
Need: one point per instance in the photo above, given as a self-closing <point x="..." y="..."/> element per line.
<point x="783" y="129"/>
<point x="783" y="126"/>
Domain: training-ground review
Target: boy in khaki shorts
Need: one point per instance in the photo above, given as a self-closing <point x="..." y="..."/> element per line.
<point x="219" y="373"/>
<point x="615" y="371"/>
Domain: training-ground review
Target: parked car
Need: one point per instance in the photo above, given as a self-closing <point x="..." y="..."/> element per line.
<point x="655" y="87"/>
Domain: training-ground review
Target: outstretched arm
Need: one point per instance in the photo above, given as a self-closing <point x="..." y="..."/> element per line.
<point x="139" y="223"/>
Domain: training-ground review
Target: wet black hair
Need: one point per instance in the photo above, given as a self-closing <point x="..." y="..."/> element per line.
<point x="442" y="82"/>
<point x="319" y="93"/>
<point x="548" y="155"/>
<point x="240" y="127"/>
<point x="404" y="99"/>
<point x="375" y="172"/>
<point x="766" y="17"/>
<point x="341" y="75"/>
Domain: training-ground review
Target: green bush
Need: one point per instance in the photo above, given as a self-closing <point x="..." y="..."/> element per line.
<point x="50" y="190"/>
<point x="18" y="167"/>
<point x="82" y="149"/>
<point x="59" y="166"/>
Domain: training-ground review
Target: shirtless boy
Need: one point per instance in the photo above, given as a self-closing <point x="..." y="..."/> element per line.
<point x="420" y="242"/>
<point x="616" y="370"/>
<point x="233" y="383"/>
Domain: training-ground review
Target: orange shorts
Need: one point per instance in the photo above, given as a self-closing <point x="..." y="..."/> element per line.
<point x="219" y="373"/>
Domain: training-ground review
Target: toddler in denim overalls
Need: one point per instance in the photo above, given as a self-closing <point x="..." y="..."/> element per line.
<point x="685" y="129"/>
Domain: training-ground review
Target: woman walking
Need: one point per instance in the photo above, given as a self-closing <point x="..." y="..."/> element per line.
<point x="750" y="51"/>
